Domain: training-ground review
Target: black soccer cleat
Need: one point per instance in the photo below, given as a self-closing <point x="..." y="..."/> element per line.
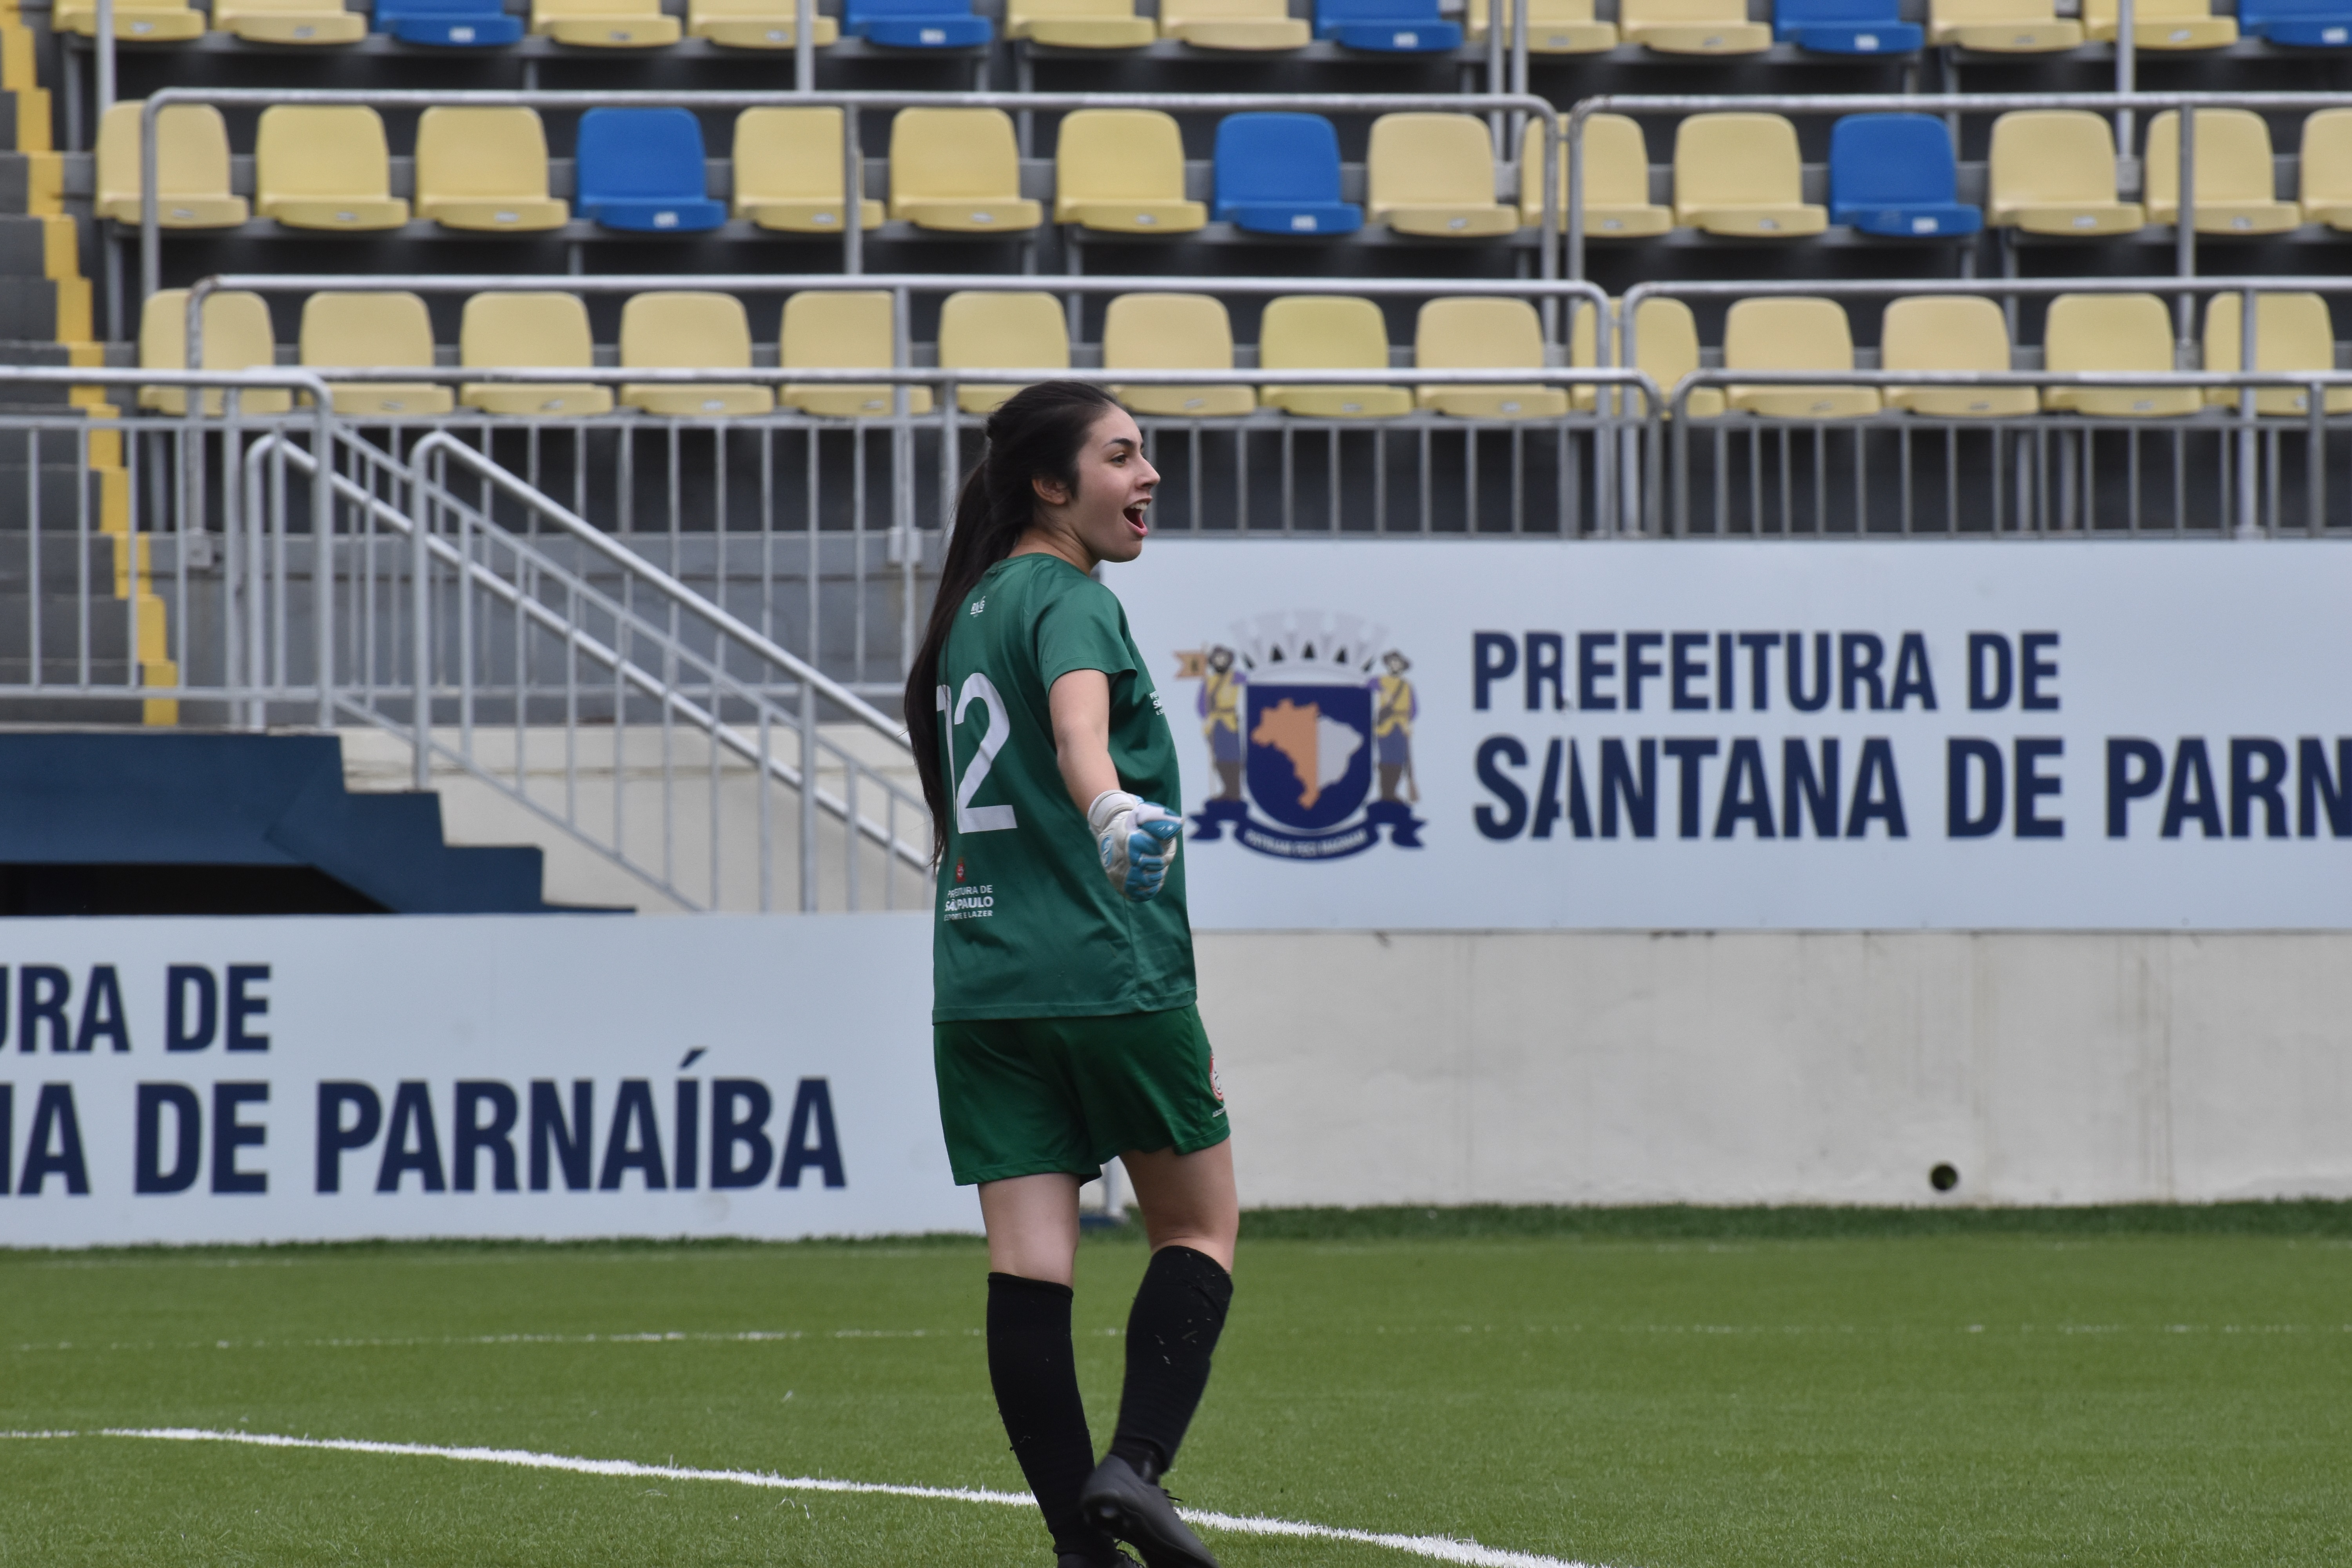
<point x="1117" y="1559"/>
<point x="1123" y="1504"/>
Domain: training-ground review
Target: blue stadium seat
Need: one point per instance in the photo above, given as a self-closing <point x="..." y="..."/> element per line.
<point x="915" y="24"/>
<point x="1845" y="27"/>
<point x="460" y="24"/>
<point x="1390" y="26"/>
<point x="642" y="169"/>
<point x="2309" y="24"/>
<point x="1893" y="174"/>
<point x="1280" y="174"/>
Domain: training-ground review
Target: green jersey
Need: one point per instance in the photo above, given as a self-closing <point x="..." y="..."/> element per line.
<point x="1029" y="926"/>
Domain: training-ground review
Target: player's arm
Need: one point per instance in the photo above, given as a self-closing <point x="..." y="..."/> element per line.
<point x="1135" y="837"/>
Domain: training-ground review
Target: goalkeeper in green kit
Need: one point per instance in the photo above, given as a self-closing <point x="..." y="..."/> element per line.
<point x="1063" y="1025"/>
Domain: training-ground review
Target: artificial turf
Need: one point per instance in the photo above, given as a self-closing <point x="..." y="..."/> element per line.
<point x="1678" y="1389"/>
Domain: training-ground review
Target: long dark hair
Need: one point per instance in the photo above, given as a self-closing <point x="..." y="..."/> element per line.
<point x="1035" y="434"/>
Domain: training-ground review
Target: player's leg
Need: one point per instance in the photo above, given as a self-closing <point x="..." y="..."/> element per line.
<point x="1013" y="1130"/>
<point x="1033" y="1236"/>
<point x="1190" y="1212"/>
<point x="1149" y="1083"/>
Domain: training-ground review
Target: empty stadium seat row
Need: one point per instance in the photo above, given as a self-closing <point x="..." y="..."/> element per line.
<point x="589" y="23"/>
<point x="955" y="170"/>
<point x="2117" y="333"/>
<point x="853" y="330"/>
<point x="2053" y="172"/>
<point x="1388" y="27"/>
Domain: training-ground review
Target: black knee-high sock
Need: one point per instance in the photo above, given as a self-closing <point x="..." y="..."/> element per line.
<point x="1036" y="1375"/>
<point x="1171" y="1330"/>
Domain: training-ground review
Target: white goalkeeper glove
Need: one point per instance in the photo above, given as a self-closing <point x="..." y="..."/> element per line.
<point x="1138" y="840"/>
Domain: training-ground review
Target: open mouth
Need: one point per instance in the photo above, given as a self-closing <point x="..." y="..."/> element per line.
<point x="1134" y="515"/>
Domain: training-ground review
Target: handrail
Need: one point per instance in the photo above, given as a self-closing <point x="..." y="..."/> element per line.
<point x="2314" y="384"/>
<point x="801" y="779"/>
<point x="2120" y="103"/>
<point x="850" y="103"/>
<point x="603" y="544"/>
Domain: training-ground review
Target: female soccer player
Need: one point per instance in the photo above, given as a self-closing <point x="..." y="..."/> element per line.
<point x="1064" y="1029"/>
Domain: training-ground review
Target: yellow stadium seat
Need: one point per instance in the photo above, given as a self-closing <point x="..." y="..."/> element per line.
<point x="1740" y="174"/>
<point x="829" y="331"/>
<point x="605" y="23"/>
<point x="957" y="169"/>
<point x="530" y="330"/>
<point x="2054" y="172"/>
<point x="192" y="165"/>
<point x="756" y="25"/>
<point x="387" y="331"/>
<point x="2003" y="27"/>
<point x="2091" y="332"/>
<point x="1554" y="27"/>
<point x="485" y="169"/>
<point x="1693" y="27"/>
<point x="1122" y="170"/>
<point x="1324" y="331"/>
<point x="236" y="337"/>
<point x="325" y="168"/>
<point x="289" y="21"/>
<point x="1665" y="347"/>
<point x="1955" y="333"/>
<point x="2326" y="168"/>
<point x="1173" y="331"/>
<point x="1793" y="333"/>
<point x="788" y="171"/>
<point x="2236" y="190"/>
<point x="1434" y="175"/>
<point x="1616" y="179"/>
<point x="983" y="329"/>
<point x="690" y="330"/>
<point x="1233" y="23"/>
<point x="1483" y="333"/>
<point x="2292" y="331"/>
<point x="139" y="22"/>
<point x="2162" y="23"/>
<point x="1078" y="23"/>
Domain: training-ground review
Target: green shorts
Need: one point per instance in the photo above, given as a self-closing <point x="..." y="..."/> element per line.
<point x="1023" y="1096"/>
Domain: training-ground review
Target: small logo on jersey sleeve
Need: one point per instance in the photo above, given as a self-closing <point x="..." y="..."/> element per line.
<point x="978" y="606"/>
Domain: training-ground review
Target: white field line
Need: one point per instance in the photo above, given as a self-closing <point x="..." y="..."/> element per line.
<point x="1438" y="1548"/>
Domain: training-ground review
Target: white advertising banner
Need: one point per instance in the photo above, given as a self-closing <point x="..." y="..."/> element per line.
<point x="1817" y="734"/>
<point x="186" y="1080"/>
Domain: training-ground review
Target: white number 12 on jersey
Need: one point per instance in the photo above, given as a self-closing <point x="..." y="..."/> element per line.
<point x="970" y="818"/>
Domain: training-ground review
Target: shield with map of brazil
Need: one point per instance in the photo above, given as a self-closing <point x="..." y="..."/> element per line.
<point x="1310" y="751"/>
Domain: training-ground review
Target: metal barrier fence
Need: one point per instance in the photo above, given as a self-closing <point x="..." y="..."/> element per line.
<point x="815" y="530"/>
<point x="2123" y="105"/>
<point x="580" y="681"/>
<point x="853" y="157"/>
<point x="2225" y="467"/>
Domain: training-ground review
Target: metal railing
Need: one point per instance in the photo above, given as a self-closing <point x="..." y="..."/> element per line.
<point x="2122" y="105"/>
<point x="2010" y="499"/>
<point x="580" y="681"/>
<point x="853" y="157"/>
<point x="2032" y="473"/>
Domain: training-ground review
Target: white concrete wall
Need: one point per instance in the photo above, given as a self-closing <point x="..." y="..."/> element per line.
<point x="1563" y="1066"/>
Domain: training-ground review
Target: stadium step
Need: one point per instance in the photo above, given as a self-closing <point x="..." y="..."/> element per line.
<point x="58" y="480"/>
<point x="241" y="803"/>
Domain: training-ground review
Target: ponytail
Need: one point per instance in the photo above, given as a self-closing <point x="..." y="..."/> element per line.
<point x="1036" y="432"/>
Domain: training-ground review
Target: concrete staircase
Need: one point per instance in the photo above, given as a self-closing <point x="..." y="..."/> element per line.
<point x="64" y="494"/>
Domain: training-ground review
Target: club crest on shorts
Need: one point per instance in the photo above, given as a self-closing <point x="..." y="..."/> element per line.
<point x="1308" y="720"/>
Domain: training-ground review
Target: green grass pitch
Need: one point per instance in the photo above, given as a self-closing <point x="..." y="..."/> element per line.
<point x="1653" y="1389"/>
